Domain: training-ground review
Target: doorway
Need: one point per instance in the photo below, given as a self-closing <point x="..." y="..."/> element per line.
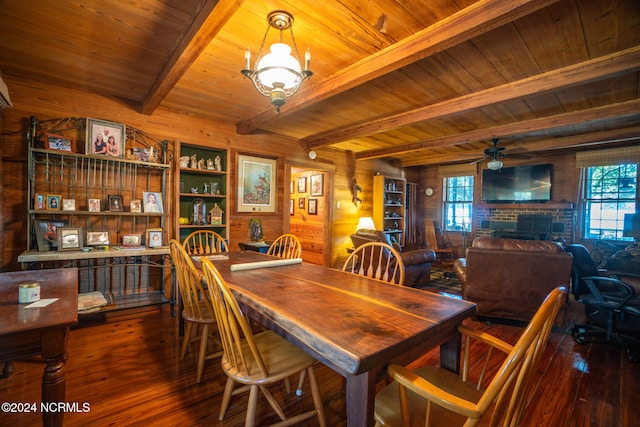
<point x="310" y="209"/>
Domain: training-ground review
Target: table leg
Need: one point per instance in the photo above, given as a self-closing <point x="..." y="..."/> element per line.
<point x="54" y="351"/>
<point x="450" y="352"/>
<point x="361" y="391"/>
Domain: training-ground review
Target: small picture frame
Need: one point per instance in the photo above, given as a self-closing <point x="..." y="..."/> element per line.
<point x="255" y="229"/>
<point x="105" y="138"/>
<point x="316" y="184"/>
<point x="291" y="203"/>
<point x="301" y="203"/>
<point x="135" y="206"/>
<point x="154" y="238"/>
<point x="131" y="240"/>
<point x="69" y="238"/>
<point x="152" y="202"/>
<point x="53" y="202"/>
<point x="313" y="206"/>
<point x="68" y="204"/>
<point x="39" y="201"/>
<point x="97" y="238"/>
<point x="94" y="205"/>
<point x="302" y="184"/>
<point x="58" y="142"/>
<point x="115" y="203"/>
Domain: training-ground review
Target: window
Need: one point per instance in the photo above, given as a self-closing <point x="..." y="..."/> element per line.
<point x="458" y="203"/>
<point x="610" y="192"/>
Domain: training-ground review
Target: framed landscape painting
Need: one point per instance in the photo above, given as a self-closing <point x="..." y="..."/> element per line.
<point x="256" y="184"/>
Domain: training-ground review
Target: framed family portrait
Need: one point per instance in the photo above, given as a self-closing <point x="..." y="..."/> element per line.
<point x="105" y="138"/>
<point x="94" y="205"/>
<point x="313" y="206"/>
<point x="69" y="238"/>
<point x="97" y="238"/>
<point x="58" y="142"/>
<point x="256" y="184"/>
<point x="154" y="237"/>
<point x="53" y="202"/>
<point x="115" y="203"/>
<point x="316" y="182"/>
<point x="131" y="240"/>
<point x="46" y="233"/>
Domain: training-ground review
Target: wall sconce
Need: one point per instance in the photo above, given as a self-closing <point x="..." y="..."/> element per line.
<point x="355" y="189"/>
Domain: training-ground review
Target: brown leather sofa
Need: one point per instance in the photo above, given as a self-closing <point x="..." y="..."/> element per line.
<point x="509" y="278"/>
<point x="417" y="262"/>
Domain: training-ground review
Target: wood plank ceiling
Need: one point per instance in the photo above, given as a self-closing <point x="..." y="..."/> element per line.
<point x="423" y="82"/>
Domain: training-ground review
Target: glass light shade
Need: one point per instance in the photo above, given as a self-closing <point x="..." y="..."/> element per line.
<point x="278" y="67"/>
<point x="365" y="223"/>
<point x="494" y="164"/>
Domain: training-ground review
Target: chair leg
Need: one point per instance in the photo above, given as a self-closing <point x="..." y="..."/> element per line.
<point x="202" y="352"/>
<point x="250" y="419"/>
<point x="226" y="398"/>
<point x="317" y="397"/>
<point x="300" y="382"/>
<point x="185" y="340"/>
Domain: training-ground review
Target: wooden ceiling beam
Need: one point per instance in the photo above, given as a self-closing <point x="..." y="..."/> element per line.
<point x="474" y="20"/>
<point x="205" y="25"/>
<point x="613" y="136"/>
<point x="620" y="109"/>
<point x="592" y="70"/>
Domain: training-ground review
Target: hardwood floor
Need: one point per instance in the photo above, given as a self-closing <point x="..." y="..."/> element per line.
<point x="127" y="370"/>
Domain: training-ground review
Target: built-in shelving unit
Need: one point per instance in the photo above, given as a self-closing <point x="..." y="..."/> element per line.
<point x="389" y="206"/>
<point x="99" y="207"/>
<point x="201" y="184"/>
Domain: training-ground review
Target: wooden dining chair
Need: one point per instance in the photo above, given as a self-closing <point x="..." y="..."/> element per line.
<point x="256" y="360"/>
<point x="286" y="246"/>
<point x="378" y="261"/>
<point x="432" y="396"/>
<point x="197" y="308"/>
<point x="443" y="250"/>
<point x="204" y="242"/>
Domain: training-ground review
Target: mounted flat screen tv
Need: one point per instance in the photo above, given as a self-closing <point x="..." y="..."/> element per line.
<point x="519" y="184"/>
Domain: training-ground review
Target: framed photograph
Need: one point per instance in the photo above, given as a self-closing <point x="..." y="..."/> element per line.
<point x="68" y="204"/>
<point x="255" y="229"/>
<point x="301" y="203"/>
<point x="97" y="238"/>
<point x="256" y="184"/>
<point x="131" y="240"/>
<point x="58" y="142"/>
<point x="291" y="203"/>
<point x="105" y="138"/>
<point x="39" y="202"/>
<point x="154" y="238"/>
<point x="69" y="238"/>
<point x="143" y="154"/>
<point x="313" y="206"/>
<point x="115" y="203"/>
<point x="53" y="202"/>
<point x="135" y="205"/>
<point x="152" y="202"/>
<point x="316" y="184"/>
<point x="94" y="205"/>
<point x="302" y="184"/>
<point x="46" y="233"/>
<point x="292" y="187"/>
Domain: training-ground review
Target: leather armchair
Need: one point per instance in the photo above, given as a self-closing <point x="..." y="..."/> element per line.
<point x="417" y="262"/>
<point x="509" y="278"/>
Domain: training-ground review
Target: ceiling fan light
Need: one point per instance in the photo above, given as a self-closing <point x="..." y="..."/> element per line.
<point x="494" y="164"/>
<point x="278" y="67"/>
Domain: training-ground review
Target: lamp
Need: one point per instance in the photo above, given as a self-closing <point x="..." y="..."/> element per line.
<point x="494" y="164"/>
<point x="365" y="223"/>
<point x="277" y="74"/>
<point x="631" y="226"/>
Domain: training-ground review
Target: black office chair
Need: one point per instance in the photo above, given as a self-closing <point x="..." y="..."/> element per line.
<point x="611" y="305"/>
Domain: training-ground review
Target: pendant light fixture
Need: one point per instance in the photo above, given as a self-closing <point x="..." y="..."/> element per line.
<point x="278" y="74"/>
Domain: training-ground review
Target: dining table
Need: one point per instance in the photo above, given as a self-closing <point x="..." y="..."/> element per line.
<point x="39" y="328"/>
<point x="353" y="324"/>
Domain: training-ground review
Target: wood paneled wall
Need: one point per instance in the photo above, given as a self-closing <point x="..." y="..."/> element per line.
<point x="47" y="100"/>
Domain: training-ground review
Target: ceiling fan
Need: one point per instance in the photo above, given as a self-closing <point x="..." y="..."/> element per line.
<point x="495" y="152"/>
